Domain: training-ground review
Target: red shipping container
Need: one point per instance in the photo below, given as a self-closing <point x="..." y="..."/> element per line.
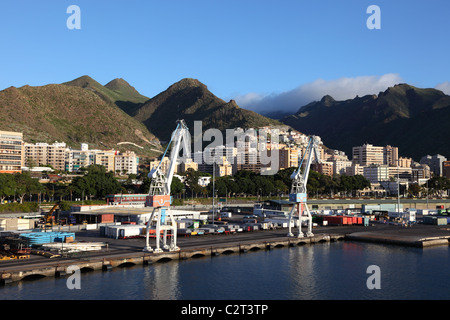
<point x="335" y="220"/>
<point x="107" y="218"/>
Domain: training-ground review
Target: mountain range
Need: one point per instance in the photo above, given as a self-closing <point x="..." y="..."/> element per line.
<point x="83" y="110"/>
<point x="414" y="119"/>
<point x="189" y="99"/>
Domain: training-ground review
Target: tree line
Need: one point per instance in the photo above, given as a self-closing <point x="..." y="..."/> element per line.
<point x="95" y="183"/>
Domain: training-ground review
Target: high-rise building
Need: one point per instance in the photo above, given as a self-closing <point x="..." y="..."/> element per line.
<point x="11" y="152"/>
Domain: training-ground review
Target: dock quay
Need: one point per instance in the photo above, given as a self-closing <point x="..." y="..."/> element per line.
<point x="106" y="261"/>
<point x="129" y="252"/>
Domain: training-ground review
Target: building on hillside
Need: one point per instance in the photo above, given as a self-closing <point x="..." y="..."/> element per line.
<point x="11" y="152"/>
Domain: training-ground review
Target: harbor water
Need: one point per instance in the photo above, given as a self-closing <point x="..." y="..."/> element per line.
<point x="331" y="271"/>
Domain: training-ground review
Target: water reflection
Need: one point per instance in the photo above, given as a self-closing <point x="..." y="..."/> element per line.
<point x="161" y="281"/>
<point x="313" y="272"/>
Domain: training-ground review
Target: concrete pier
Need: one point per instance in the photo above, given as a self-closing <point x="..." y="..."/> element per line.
<point x="53" y="268"/>
<point x="121" y="253"/>
<point x="399" y="239"/>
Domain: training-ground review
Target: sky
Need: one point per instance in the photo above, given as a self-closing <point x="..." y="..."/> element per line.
<point x="266" y="55"/>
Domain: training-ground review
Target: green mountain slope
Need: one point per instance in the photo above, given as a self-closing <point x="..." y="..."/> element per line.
<point x="413" y="119"/>
<point x="72" y="114"/>
<point x="117" y="91"/>
<point x="191" y="100"/>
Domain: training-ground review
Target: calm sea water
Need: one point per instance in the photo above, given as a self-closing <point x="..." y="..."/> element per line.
<point x="311" y="272"/>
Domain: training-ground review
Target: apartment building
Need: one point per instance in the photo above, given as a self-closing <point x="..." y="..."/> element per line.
<point x="126" y="162"/>
<point x="368" y="154"/>
<point x="106" y="158"/>
<point x="41" y="154"/>
<point x="376" y="173"/>
<point x="11" y="152"/>
<point x="288" y="157"/>
<point x="76" y="159"/>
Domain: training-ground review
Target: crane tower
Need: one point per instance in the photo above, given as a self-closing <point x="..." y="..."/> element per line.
<point x="298" y="193"/>
<point x="159" y="194"/>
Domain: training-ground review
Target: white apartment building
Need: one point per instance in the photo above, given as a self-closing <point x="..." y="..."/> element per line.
<point x="376" y="173"/>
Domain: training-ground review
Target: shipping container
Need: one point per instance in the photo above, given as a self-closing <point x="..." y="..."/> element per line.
<point x="106" y="218"/>
<point x="335" y="220"/>
<point x="435" y="220"/>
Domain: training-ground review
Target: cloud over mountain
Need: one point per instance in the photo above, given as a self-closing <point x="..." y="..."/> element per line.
<point x="444" y="87"/>
<point x="339" y="89"/>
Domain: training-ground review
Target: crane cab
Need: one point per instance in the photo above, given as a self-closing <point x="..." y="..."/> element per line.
<point x="297" y="197"/>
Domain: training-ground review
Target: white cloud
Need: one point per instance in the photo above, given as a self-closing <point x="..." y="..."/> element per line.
<point x="444" y="87"/>
<point x="339" y="89"/>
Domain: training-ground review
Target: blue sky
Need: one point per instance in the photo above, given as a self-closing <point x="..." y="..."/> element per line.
<point x="246" y="49"/>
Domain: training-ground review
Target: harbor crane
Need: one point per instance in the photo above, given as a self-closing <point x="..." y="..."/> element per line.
<point x="159" y="194"/>
<point x="298" y="193"/>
